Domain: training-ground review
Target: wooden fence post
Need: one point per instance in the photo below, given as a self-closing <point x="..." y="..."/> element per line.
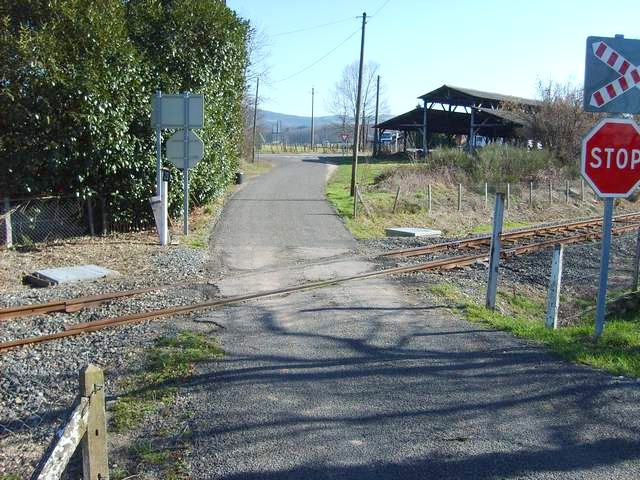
<point x="395" y="202"/>
<point x="566" y="191"/>
<point x="459" y="197"/>
<point x="494" y="252"/>
<point x="92" y="229"/>
<point x="582" y="189"/>
<point x="429" y="196"/>
<point x="486" y="195"/>
<point x="553" y="298"/>
<point x="7" y="223"/>
<point x="95" y="465"/>
<point x="550" y="191"/>
<point x="530" y="194"/>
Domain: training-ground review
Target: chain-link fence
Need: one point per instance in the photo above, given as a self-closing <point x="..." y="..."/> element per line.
<point x="25" y="221"/>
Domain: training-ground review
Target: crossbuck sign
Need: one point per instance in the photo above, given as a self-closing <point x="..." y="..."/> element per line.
<point x="612" y="75"/>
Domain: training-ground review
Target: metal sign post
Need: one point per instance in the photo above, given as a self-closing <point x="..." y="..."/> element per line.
<point x="610" y="159"/>
<point x="158" y="145"/>
<point x="185" y="168"/>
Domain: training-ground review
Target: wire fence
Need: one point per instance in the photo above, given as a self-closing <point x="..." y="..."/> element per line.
<point x="26" y="221"/>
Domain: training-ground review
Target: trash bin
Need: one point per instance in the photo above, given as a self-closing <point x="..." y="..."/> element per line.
<point x="239" y="178"/>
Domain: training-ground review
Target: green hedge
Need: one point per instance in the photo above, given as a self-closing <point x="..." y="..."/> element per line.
<point x="76" y="81"/>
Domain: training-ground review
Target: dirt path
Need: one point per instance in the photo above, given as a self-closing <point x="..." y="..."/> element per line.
<point x="359" y="381"/>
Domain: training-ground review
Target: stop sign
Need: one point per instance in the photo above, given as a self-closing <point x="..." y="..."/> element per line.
<point x="610" y="159"/>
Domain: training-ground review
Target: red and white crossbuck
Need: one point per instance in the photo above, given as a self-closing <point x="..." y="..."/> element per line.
<point x="629" y="75"/>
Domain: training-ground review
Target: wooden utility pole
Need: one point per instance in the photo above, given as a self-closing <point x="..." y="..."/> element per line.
<point x="255" y="116"/>
<point x="312" y="94"/>
<point x="375" y="130"/>
<point x="356" y="130"/>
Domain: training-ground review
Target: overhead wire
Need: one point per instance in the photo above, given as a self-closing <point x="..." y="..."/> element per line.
<point x="306" y="29"/>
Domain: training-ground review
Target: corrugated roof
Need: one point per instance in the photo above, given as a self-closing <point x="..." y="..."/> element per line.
<point x="468" y="97"/>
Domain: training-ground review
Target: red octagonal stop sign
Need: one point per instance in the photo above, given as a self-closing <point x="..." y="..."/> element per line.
<point x="611" y="157"/>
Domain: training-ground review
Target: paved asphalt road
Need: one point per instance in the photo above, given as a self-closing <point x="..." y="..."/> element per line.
<point x="359" y="381"/>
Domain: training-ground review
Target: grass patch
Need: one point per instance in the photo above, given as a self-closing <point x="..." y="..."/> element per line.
<point x="617" y="351"/>
<point x="253" y="169"/>
<point x="168" y="362"/>
<point x="507" y="225"/>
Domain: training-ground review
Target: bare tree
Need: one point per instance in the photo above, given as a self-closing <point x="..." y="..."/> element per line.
<point x="559" y="121"/>
<point x="343" y="99"/>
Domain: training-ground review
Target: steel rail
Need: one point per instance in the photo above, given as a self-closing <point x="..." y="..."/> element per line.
<point x="507" y="236"/>
<point x="444" y="263"/>
<point x="75" y="304"/>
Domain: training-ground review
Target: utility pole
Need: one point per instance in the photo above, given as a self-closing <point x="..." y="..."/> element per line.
<point x="255" y="115"/>
<point x="312" y="94"/>
<point x="375" y="130"/>
<point x="356" y="130"/>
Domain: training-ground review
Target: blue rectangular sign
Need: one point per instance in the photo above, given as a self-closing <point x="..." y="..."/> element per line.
<point x="612" y="75"/>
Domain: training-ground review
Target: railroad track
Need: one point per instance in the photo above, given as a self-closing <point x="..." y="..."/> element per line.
<point x="570" y="229"/>
<point x="570" y="233"/>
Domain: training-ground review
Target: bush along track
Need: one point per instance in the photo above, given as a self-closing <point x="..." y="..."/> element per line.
<point x="156" y="438"/>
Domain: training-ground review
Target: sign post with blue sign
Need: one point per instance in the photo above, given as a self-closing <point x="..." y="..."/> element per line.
<point x="612" y="75"/>
<point x="611" y="85"/>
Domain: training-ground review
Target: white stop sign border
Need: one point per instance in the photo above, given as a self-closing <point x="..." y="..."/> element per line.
<point x="583" y="156"/>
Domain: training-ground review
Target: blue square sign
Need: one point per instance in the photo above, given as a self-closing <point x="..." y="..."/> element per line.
<point x="612" y="75"/>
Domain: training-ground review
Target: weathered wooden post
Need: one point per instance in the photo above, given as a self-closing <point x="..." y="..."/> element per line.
<point x="582" y="189"/>
<point x="95" y="465"/>
<point x="553" y="298"/>
<point x="7" y="223"/>
<point x="566" y="191"/>
<point x="530" y="194"/>
<point x="429" y="197"/>
<point x="550" y="191"/>
<point x="459" y="197"/>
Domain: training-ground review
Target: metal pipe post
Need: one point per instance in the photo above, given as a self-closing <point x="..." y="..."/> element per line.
<point x="604" y="266"/>
<point x="553" y="298"/>
<point x="185" y="165"/>
<point x="255" y="117"/>
<point x="636" y="264"/>
<point x="312" y="119"/>
<point x="494" y="255"/>
<point x="158" y="114"/>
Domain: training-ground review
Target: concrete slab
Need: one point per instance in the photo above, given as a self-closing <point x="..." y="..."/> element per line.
<point x="411" y="232"/>
<point x="54" y="276"/>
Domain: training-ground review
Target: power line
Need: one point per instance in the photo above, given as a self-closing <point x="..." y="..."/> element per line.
<point x="378" y="10"/>
<point x="312" y="28"/>
<point x="319" y="59"/>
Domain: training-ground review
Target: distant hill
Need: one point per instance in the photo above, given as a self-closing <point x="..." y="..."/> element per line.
<point x="294" y="121"/>
<point x="267" y="117"/>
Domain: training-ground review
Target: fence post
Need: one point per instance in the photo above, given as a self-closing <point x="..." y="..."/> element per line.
<point x="92" y="229"/>
<point x="566" y="191"/>
<point x="508" y="202"/>
<point x="530" y="194"/>
<point x="636" y="264"/>
<point x="550" y="191"/>
<point x="429" y="197"/>
<point x="582" y="189"/>
<point x="553" y="298"/>
<point x="459" y="197"/>
<point x="94" y="443"/>
<point x="103" y="208"/>
<point x="7" y="222"/>
<point x="494" y="255"/>
<point x="395" y="202"/>
<point x="486" y="195"/>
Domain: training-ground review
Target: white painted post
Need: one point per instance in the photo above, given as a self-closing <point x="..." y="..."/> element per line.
<point x="553" y="298"/>
<point x="494" y="255"/>
<point x="7" y="222"/>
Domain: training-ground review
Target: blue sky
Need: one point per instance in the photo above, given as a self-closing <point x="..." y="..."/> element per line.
<point x="503" y="46"/>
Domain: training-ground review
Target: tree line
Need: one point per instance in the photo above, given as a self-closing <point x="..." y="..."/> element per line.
<point x="76" y="81"/>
